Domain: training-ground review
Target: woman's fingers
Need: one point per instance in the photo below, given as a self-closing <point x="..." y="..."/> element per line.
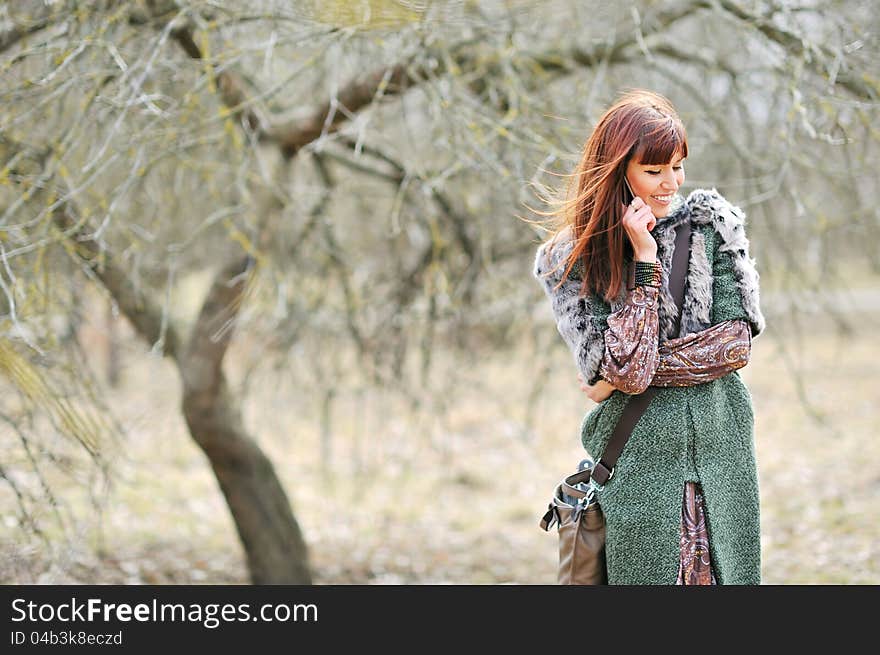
<point x="646" y="217"/>
<point x="640" y="221"/>
<point x="635" y="212"/>
<point x="643" y="213"/>
<point x="583" y="385"/>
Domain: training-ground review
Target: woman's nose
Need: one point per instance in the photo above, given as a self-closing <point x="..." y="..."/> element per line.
<point x="669" y="183"/>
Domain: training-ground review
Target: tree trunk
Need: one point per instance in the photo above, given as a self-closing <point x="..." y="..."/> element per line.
<point x="276" y="552"/>
<point x="273" y="543"/>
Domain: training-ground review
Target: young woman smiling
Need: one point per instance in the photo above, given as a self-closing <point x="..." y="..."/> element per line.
<point x="682" y="506"/>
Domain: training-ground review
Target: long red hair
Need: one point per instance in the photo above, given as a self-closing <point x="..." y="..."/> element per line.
<point x="640" y="124"/>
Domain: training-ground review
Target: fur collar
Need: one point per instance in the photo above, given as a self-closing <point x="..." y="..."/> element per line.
<point x="708" y="207"/>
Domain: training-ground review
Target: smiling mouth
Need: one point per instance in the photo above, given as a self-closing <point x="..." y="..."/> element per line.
<point x="664" y="198"/>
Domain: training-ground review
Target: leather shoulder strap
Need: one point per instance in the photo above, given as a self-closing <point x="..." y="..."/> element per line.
<point x="638" y="403"/>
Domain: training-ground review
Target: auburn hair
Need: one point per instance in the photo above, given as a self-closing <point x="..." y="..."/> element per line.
<point x="640" y="124"/>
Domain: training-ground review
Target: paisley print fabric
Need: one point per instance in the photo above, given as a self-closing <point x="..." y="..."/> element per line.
<point x="633" y="360"/>
<point x="703" y="356"/>
<point x="631" y="355"/>
<point x="695" y="566"/>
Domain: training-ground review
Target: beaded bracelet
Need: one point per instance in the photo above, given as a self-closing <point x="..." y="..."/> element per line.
<point x="648" y="274"/>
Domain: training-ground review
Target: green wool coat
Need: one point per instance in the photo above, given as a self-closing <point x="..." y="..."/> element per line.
<point x="703" y="433"/>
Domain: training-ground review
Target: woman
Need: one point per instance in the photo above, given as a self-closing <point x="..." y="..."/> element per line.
<point x="682" y="506"/>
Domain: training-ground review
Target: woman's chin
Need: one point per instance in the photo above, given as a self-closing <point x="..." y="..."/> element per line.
<point x="659" y="210"/>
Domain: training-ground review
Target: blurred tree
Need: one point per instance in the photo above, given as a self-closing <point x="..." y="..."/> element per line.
<point x="350" y="173"/>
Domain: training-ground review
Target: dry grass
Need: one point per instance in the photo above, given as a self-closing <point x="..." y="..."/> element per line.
<point x="413" y="498"/>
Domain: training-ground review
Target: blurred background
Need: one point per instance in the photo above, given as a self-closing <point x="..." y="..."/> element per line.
<point x="267" y="312"/>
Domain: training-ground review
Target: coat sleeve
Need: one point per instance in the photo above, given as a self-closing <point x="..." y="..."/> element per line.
<point x="580" y="320"/>
<point x="735" y="279"/>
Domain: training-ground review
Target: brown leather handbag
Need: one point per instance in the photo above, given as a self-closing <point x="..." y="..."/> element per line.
<point x="581" y="531"/>
<point x="574" y="506"/>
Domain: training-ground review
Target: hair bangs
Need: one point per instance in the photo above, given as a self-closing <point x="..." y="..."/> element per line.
<point x="660" y="142"/>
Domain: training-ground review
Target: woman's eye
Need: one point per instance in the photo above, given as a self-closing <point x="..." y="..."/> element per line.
<point x="678" y="168"/>
<point x="653" y="172"/>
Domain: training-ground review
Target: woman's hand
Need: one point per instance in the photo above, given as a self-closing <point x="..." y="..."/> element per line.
<point x="638" y="221"/>
<point x="599" y="391"/>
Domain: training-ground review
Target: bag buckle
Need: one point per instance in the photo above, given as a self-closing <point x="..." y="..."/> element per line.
<point x="603" y="474"/>
<point x="583" y="502"/>
<point x="582" y="506"/>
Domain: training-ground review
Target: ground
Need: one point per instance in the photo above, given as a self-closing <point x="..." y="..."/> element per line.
<point x="408" y="497"/>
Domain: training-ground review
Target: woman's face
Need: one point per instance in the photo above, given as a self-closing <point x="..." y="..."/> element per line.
<point x="656" y="184"/>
